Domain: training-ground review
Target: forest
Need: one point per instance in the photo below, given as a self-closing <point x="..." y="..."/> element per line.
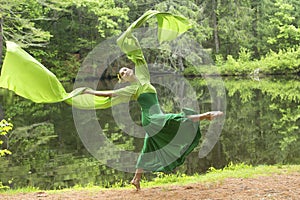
<point x="239" y="35"/>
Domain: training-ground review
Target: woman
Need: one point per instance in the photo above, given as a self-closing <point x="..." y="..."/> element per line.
<point x="169" y="137"/>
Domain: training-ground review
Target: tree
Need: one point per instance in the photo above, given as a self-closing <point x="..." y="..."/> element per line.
<point x="275" y="25"/>
<point x="284" y="32"/>
<point x="18" y="23"/>
<point x="230" y="23"/>
<point x="86" y="23"/>
<point x="215" y="26"/>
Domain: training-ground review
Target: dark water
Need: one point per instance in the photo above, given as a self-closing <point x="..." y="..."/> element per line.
<point x="261" y="127"/>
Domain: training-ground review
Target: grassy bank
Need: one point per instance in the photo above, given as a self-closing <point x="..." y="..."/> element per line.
<point x="218" y="175"/>
<point x="213" y="176"/>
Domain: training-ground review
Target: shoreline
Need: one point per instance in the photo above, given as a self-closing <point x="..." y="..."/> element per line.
<point x="213" y="178"/>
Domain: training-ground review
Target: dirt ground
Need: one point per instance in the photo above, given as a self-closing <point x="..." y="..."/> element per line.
<point x="275" y="187"/>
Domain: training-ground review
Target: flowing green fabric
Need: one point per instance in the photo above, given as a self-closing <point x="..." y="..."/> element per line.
<point x="169" y="27"/>
<point x="28" y="78"/>
<point x="169" y="137"/>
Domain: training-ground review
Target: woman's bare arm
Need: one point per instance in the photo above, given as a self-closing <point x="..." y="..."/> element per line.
<point x="108" y="93"/>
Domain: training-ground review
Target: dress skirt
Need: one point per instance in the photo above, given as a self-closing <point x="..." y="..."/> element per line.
<point x="169" y="137"/>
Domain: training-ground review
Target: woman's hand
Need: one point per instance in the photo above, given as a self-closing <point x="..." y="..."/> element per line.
<point x="213" y="114"/>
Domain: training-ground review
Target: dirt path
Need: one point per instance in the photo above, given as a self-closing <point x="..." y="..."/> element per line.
<point x="276" y="187"/>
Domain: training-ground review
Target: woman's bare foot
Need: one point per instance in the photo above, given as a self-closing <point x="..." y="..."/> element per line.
<point x="136" y="184"/>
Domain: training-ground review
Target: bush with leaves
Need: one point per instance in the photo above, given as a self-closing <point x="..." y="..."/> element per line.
<point x="5" y="127"/>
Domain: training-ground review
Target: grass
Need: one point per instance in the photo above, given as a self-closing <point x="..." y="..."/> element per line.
<point x="218" y="175"/>
<point x="213" y="176"/>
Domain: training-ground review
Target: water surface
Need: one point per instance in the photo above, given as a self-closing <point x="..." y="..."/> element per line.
<point x="261" y="127"/>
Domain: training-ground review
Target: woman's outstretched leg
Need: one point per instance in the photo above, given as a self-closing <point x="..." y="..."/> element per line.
<point x="208" y="115"/>
<point x="137" y="178"/>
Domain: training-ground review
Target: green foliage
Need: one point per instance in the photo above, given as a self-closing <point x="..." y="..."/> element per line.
<point x="236" y="29"/>
<point x="240" y="170"/>
<point x="230" y="167"/>
<point x="244" y="31"/>
<point x="26" y="112"/>
<point x="86" y="23"/>
<point x="285" y="34"/>
<point x="19" y="22"/>
<point x="219" y="60"/>
<point x="279" y="105"/>
<point x="230" y="22"/>
<point x="30" y="139"/>
<point x="283" y="62"/>
<point x="288" y="128"/>
<point x="116" y="136"/>
<point x="108" y="15"/>
<point x="277" y="25"/>
<point x="244" y="55"/>
<point x="31" y="142"/>
<point x="5" y="128"/>
<point x="201" y="30"/>
<point x="163" y="178"/>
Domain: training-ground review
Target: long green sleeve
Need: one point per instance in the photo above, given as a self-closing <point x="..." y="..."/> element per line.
<point x="28" y="78"/>
<point x="25" y="76"/>
<point x="169" y="27"/>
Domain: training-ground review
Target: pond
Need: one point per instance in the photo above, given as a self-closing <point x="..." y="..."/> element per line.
<point x="261" y="126"/>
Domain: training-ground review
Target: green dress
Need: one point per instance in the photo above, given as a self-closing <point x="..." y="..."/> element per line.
<point x="169" y="137"/>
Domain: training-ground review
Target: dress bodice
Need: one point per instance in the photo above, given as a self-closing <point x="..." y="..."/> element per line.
<point x="147" y="97"/>
<point x="147" y="100"/>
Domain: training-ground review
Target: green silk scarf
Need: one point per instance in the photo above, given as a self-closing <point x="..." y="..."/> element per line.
<point x="28" y="78"/>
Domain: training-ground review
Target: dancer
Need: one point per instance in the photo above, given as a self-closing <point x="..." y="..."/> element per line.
<point x="169" y="137"/>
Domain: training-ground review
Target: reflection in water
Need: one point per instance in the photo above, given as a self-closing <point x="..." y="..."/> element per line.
<point x="262" y="127"/>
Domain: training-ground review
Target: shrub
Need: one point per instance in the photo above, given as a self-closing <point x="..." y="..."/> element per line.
<point x="5" y="127"/>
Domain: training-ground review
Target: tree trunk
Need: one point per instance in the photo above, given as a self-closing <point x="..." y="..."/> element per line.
<point x="215" y="25"/>
<point x="255" y="6"/>
<point x="1" y="40"/>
